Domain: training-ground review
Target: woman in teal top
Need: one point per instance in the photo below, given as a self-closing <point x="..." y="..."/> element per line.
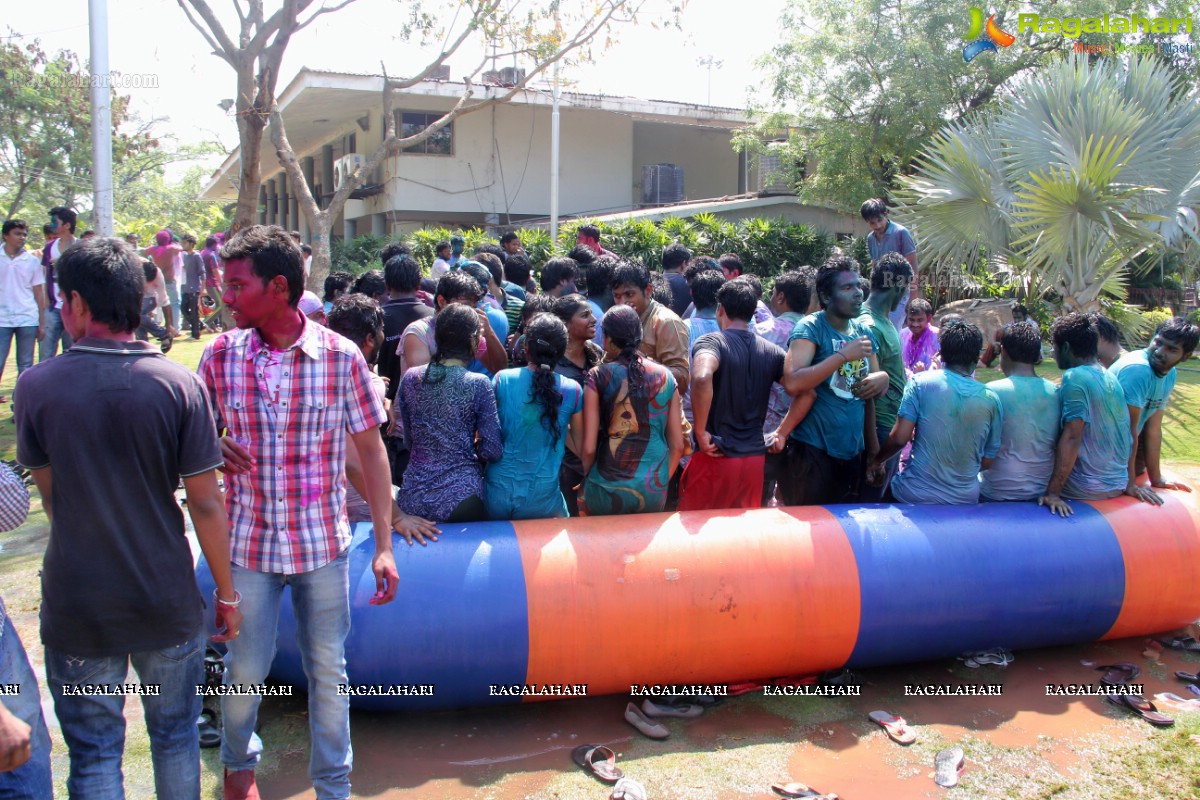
<point x="538" y="410"/>
<point x="633" y="432"/>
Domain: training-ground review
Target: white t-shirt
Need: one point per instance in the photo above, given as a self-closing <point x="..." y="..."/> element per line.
<point x="18" y="276"/>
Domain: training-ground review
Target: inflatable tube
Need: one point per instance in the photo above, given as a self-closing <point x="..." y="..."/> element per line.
<point x="720" y="596"/>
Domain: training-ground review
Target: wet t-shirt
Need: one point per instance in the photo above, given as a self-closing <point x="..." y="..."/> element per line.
<point x="748" y="367"/>
<point x="1093" y="395"/>
<point x="1028" y="439"/>
<point x="1143" y="387"/>
<point x="835" y="423"/>
<point x="958" y="424"/>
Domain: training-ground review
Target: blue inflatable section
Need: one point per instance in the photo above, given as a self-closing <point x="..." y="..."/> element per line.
<point x="458" y="608"/>
<point x="927" y="578"/>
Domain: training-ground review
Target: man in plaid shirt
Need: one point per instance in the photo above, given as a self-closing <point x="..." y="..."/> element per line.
<point x="290" y="392"/>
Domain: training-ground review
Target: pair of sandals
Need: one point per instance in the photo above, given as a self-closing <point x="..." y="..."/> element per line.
<point x="601" y="763"/>
<point x="1120" y="674"/>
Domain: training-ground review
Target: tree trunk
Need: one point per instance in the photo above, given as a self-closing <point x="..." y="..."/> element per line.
<point x="250" y="134"/>
<point x="319" y="225"/>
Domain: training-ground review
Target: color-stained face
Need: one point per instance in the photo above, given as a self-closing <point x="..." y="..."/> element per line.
<point x="248" y="300"/>
<point x="1163" y="354"/>
<point x="918" y="321"/>
<point x="847" y="298"/>
<point x="629" y="295"/>
<point x="583" y="324"/>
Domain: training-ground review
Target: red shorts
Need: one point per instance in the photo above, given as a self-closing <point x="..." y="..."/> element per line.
<point x="709" y="482"/>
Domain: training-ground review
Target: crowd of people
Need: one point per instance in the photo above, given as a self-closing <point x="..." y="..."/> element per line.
<point x="600" y="388"/>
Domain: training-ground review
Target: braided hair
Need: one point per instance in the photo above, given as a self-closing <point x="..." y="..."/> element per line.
<point x="455" y="327"/>
<point x="623" y="328"/>
<point x="545" y="344"/>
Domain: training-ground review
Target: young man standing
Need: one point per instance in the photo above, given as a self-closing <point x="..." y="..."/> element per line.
<point x="888" y="237"/>
<point x="1092" y="457"/>
<point x="289" y="393"/>
<point x="193" y="285"/>
<point x="957" y="422"/>
<point x="590" y="236"/>
<point x="1147" y="377"/>
<point x="733" y="371"/>
<point x="890" y="279"/>
<point x="674" y="258"/>
<point x="558" y="277"/>
<point x="1031" y="416"/>
<point x="510" y="243"/>
<point x="62" y="221"/>
<point x="441" y="264"/>
<point x="22" y="297"/>
<point x="403" y="276"/>
<point x="1109" y="348"/>
<point x="664" y="336"/>
<point x="118" y="583"/>
<point x="832" y="352"/>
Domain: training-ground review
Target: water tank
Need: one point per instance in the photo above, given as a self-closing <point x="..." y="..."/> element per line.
<point x="662" y="184"/>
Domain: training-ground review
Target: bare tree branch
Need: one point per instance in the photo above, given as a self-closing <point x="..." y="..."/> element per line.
<point x="323" y="10"/>
<point x="214" y="34"/>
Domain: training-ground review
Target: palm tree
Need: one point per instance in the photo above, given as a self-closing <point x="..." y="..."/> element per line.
<point x="1069" y="179"/>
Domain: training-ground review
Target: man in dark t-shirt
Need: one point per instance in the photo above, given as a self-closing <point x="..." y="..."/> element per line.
<point x="733" y="371"/>
<point x="402" y="274"/>
<point x="117" y="581"/>
<point x="673" y="260"/>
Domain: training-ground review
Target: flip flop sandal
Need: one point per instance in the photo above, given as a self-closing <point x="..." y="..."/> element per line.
<point x="1193" y="688"/>
<point x="210" y="732"/>
<point x="1190" y="677"/>
<point x="800" y="790"/>
<point x="647" y="726"/>
<point x="598" y="761"/>
<point x="1142" y="707"/>
<point x="895" y="727"/>
<point x="1185" y="643"/>
<point x="682" y="712"/>
<point x="628" y="789"/>
<point x="1118" y="674"/>
<point x="949" y="765"/>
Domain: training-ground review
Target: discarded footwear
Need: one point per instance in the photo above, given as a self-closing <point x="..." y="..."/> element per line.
<point x="800" y="790"/>
<point x="598" y="761"/>
<point x="1190" y="677"/>
<point x="628" y="789"/>
<point x="1185" y="643"/>
<point x="1118" y="674"/>
<point x="999" y="656"/>
<point x="948" y="766"/>
<point x="895" y="727"/>
<point x="1177" y="703"/>
<point x="648" y="727"/>
<point x="239" y="785"/>
<point x="652" y="709"/>
<point x="1142" y="707"/>
<point x="210" y="732"/>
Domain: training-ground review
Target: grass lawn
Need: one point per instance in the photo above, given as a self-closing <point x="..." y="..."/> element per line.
<point x="1155" y="769"/>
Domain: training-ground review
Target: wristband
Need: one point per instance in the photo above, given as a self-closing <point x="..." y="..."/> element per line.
<point x="234" y="603"/>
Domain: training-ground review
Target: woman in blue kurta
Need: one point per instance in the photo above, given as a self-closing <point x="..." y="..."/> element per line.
<point x="538" y="410"/>
<point x="633" y="432"/>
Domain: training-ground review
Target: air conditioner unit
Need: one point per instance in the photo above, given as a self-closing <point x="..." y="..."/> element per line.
<point x="344" y="167"/>
<point x="772" y="170"/>
<point x="662" y="184"/>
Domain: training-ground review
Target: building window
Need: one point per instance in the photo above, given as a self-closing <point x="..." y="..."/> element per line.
<point x="410" y="123"/>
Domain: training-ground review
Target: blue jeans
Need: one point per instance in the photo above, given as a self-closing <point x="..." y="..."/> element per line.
<point x="94" y="726"/>
<point x="26" y="336"/>
<point x="48" y="346"/>
<point x="321" y="601"/>
<point x="173" y="302"/>
<point x="31" y="780"/>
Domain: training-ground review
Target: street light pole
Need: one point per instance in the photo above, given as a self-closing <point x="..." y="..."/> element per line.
<point x="102" y="185"/>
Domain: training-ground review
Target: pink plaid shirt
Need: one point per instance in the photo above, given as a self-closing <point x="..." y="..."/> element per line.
<point x="289" y="514"/>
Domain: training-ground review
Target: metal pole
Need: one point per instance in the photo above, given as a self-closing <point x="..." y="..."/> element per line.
<point x="554" y="141"/>
<point x="102" y="185"/>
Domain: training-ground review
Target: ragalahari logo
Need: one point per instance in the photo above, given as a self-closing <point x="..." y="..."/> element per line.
<point x="985" y="36"/>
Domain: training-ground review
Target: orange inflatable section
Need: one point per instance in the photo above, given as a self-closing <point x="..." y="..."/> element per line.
<point x="790" y="599"/>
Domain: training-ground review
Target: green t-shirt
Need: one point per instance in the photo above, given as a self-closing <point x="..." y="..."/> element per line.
<point x="891" y="360"/>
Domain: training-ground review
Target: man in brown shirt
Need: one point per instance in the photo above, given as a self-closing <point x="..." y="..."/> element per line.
<point x="664" y="336"/>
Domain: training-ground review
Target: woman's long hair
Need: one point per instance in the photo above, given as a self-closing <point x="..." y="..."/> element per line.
<point x="455" y="328"/>
<point x="545" y="344"/>
<point x="623" y="328"/>
<point x="565" y="308"/>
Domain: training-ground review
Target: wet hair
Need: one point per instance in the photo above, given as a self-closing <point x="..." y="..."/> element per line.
<point x="402" y="274"/>
<point x="557" y="271"/>
<point x="873" y="208"/>
<point x="827" y="275"/>
<point x="919" y="305"/>
<point x="1023" y="342"/>
<point x="590" y="231"/>
<point x="371" y="283"/>
<point x="865" y="285"/>
<point x="477" y="271"/>
<point x="662" y="291"/>
<point x="730" y="262"/>
<point x="494" y="265"/>
<point x="516" y="269"/>
<point x="439" y="247"/>
<point x="107" y="274"/>
<point x="623" y="328"/>
<point x="797" y="288"/>
<point x="456" y="285"/>
<point x="736" y="297"/>
<point x="336" y="282"/>
<point x="582" y="255"/>
<point x="755" y="284"/>
<point x="454" y="328"/>
<point x="891" y="270"/>
<point x="699" y="264"/>
<point x="391" y="250"/>
<point x="508" y="237"/>
<point x="628" y="272"/>
<point x="960" y="343"/>
<point x="1077" y="331"/>
<point x="705" y="287"/>
<point x="676" y="255"/>
<point x="66" y="214"/>
<point x="11" y="225"/>
<point x="272" y="252"/>
<point x="1106" y="329"/>
<point x="599" y="276"/>
<point x="1181" y="332"/>
<point x="356" y="316"/>
<point x="545" y="344"/>
<point x="493" y="248"/>
<point x="149" y="271"/>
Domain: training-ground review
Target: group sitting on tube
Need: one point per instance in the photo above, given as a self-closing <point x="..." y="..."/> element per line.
<point x="612" y="390"/>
